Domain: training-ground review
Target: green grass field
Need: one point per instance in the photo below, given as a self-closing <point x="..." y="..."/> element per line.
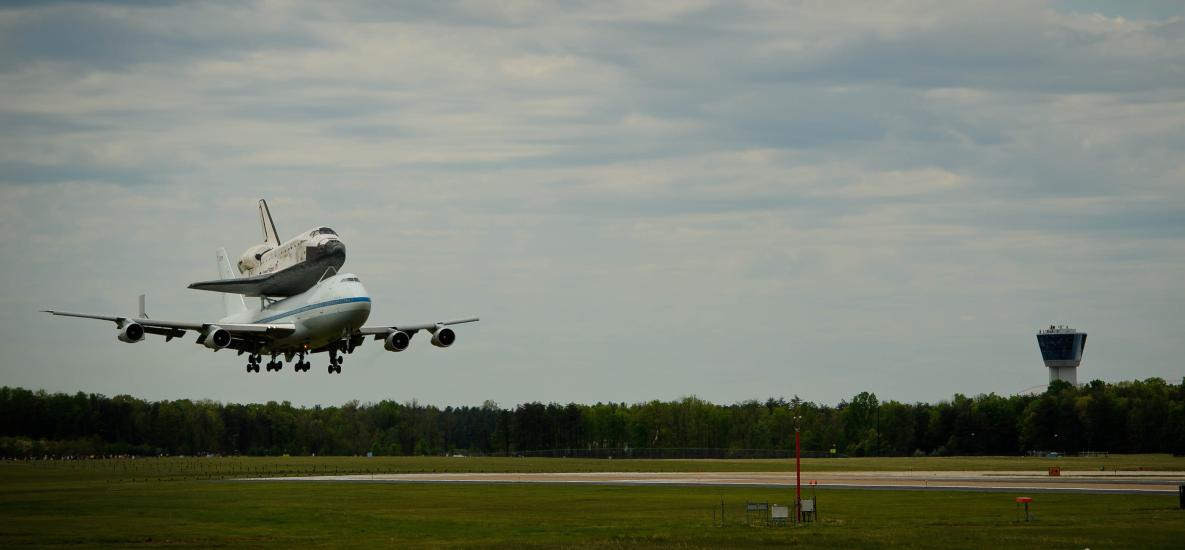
<point x="184" y="502"/>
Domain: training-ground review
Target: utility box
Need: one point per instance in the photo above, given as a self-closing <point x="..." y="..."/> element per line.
<point x="779" y="514"/>
<point x="756" y="512"/>
<point x="1055" y="471"/>
<point x="807" y="510"/>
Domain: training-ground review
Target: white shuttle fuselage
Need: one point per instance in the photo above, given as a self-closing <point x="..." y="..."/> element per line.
<point x="272" y="268"/>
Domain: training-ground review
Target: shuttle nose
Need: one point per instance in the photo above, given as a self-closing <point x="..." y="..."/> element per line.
<point x="331" y="249"/>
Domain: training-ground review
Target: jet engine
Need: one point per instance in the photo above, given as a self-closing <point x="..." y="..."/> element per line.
<point x="130" y="332"/>
<point x="443" y="337"/>
<point x="216" y="338"/>
<point x="397" y="341"/>
<point x="251" y="258"/>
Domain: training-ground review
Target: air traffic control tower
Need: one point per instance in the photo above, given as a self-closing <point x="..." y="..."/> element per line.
<point x="1061" y="348"/>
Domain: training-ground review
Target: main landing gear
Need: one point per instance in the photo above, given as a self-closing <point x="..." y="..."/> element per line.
<point x="335" y="361"/>
<point x="277" y="365"/>
<point x="253" y="363"/>
<point x="301" y="365"/>
<point x="274" y="365"/>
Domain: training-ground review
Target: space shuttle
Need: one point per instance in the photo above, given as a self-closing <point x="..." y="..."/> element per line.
<point x="277" y="269"/>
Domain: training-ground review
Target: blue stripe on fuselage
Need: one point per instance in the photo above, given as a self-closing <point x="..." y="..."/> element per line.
<point x="315" y="306"/>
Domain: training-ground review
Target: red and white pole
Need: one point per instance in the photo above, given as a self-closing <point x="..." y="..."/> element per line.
<point x="797" y="476"/>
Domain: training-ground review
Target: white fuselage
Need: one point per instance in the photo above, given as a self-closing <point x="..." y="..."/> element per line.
<point x="329" y="311"/>
<point x="316" y="244"/>
<point x="292" y="267"/>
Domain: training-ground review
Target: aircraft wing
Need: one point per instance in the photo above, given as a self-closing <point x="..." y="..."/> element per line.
<point x="380" y="332"/>
<point x="171" y="329"/>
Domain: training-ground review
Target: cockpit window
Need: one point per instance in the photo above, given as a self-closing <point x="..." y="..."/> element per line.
<point x="322" y="231"/>
<point x="354" y="279"/>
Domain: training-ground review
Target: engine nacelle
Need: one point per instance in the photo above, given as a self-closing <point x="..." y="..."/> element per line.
<point x="130" y="332"/>
<point x="443" y="337"/>
<point x="397" y="341"/>
<point x="251" y="258"/>
<point x="216" y="338"/>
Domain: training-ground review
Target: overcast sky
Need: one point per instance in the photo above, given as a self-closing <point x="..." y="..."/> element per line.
<point x="642" y="201"/>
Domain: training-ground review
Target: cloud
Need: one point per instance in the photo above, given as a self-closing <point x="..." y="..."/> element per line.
<point x="640" y="201"/>
<point x="114" y="36"/>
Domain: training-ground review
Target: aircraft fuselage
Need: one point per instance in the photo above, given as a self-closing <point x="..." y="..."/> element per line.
<point x="332" y="309"/>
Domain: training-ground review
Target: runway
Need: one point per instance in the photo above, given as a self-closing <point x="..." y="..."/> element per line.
<point x="1115" y="482"/>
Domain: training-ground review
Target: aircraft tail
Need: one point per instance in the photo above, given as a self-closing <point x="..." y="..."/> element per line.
<point x="269" y="227"/>
<point x="233" y="303"/>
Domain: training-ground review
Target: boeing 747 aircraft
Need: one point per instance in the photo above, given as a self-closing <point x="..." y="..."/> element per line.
<point x="329" y="317"/>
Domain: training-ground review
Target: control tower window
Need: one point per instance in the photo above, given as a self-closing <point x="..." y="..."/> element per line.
<point x="1057" y="346"/>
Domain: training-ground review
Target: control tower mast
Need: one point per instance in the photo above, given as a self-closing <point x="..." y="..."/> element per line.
<point x="1061" y="348"/>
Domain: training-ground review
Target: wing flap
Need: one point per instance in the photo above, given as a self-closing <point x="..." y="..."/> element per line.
<point x="168" y="333"/>
<point x="410" y="328"/>
<point x="272" y="329"/>
<point x="178" y="328"/>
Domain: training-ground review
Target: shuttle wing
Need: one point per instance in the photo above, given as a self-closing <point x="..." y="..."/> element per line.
<point x="249" y="286"/>
<point x="288" y="282"/>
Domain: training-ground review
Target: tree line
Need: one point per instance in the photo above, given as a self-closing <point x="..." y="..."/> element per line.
<point x="1138" y="416"/>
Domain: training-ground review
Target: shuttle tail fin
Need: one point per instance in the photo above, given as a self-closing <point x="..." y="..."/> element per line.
<point x="269" y="227"/>
<point x="233" y="303"/>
